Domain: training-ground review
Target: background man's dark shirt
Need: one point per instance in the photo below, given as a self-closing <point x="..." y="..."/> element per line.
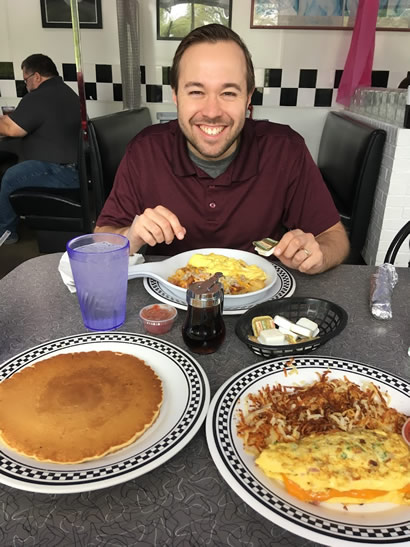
<point x="51" y="116"/>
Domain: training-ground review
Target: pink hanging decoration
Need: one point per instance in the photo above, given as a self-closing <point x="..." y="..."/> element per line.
<point x="358" y="67"/>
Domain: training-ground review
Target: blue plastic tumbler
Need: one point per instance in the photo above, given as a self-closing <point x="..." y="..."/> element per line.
<point x="99" y="263"/>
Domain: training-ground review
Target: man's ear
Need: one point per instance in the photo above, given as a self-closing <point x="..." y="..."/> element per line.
<point x="250" y="98"/>
<point x="174" y="96"/>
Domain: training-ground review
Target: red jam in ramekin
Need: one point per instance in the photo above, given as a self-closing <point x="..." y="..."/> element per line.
<point x="158" y="318"/>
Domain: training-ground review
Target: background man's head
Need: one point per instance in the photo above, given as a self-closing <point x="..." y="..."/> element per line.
<point x="37" y="68"/>
<point x="211" y="34"/>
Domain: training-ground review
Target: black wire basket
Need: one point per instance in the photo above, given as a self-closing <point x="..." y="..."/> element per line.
<point x="330" y="317"/>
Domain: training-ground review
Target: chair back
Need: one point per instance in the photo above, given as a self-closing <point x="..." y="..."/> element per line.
<point x="396" y="243"/>
<point x="108" y="138"/>
<point x="350" y="155"/>
<point x="56" y="214"/>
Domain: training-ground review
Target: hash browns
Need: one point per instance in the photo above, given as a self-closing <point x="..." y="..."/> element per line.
<point x="239" y="284"/>
<point x="288" y="413"/>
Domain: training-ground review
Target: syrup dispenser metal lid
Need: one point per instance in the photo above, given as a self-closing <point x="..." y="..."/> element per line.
<point x="203" y="294"/>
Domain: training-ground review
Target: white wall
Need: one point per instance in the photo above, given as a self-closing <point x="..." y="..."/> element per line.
<point x="283" y="48"/>
<point x="21" y="34"/>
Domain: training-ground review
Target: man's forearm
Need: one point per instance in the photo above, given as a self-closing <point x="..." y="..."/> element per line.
<point x="8" y="128"/>
<point x="335" y="246"/>
<point x="3" y="127"/>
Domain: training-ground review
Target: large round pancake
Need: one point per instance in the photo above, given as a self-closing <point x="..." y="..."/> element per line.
<point x="78" y="406"/>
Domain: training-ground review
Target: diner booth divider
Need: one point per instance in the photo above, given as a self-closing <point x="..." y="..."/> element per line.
<point x="57" y="215"/>
<point x="350" y="156"/>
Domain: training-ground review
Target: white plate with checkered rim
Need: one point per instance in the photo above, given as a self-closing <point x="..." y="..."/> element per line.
<point x="329" y="524"/>
<point x="184" y="407"/>
<point x="284" y="286"/>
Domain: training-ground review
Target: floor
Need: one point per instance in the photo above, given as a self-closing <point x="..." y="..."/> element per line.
<point x="13" y="255"/>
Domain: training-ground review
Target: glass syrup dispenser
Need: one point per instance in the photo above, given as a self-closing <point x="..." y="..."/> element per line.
<point x="204" y="328"/>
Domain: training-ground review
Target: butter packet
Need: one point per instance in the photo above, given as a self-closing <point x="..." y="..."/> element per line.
<point x="265" y="246"/>
<point x="261" y="323"/>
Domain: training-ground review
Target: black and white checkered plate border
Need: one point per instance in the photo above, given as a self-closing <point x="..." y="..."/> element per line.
<point x="41" y="477"/>
<point x="316" y="524"/>
<point x="285" y="285"/>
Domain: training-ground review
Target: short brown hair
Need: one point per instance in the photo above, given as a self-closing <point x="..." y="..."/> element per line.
<point x="40" y="63"/>
<point x="211" y="33"/>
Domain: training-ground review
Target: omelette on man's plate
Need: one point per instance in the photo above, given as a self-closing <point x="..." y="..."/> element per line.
<point x="238" y="276"/>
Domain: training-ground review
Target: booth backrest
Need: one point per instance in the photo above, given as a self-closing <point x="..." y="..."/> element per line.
<point x="109" y="136"/>
<point x="349" y="159"/>
<point x="57" y="209"/>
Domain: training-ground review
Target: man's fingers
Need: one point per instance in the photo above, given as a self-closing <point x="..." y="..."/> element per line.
<point x="288" y="246"/>
<point x="177" y="229"/>
<point x="299" y="250"/>
<point x="164" y="225"/>
<point x="159" y="225"/>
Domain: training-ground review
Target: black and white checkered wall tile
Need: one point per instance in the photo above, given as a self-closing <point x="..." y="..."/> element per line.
<point x="305" y="87"/>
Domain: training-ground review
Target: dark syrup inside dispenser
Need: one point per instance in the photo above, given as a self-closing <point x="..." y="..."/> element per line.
<point x="204" y="328"/>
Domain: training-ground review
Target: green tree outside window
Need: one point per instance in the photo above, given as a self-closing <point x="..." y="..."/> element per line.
<point x="176" y="18"/>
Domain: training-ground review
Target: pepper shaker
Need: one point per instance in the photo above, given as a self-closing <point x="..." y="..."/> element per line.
<point x="204" y="327"/>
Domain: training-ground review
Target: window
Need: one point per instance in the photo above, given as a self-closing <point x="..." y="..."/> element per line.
<point x="176" y="18"/>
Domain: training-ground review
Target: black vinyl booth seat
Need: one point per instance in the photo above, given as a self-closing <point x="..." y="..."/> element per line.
<point x="7" y="159"/>
<point x="56" y="214"/>
<point x="109" y="136"/>
<point x="350" y="156"/>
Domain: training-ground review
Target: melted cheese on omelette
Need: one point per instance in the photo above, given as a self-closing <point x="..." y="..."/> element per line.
<point x="233" y="267"/>
<point x="361" y="466"/>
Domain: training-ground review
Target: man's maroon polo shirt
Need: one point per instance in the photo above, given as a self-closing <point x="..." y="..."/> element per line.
<point x="272" y="185"/>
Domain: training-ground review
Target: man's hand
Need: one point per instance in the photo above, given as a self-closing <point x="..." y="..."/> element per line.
<point x="158" y="225"/>
<point x="154" y="226"/>
<point x="309" y="254"/>
<point x="8" y="128"/>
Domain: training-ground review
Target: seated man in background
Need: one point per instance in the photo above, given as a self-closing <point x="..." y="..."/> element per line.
<point x="48" y="120"/>
<point x="215" y="179"/>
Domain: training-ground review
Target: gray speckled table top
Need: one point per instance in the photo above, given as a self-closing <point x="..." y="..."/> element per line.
<point x="185" y="502"/>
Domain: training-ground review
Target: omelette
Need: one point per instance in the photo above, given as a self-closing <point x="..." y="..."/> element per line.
<point x="360" y="466"/>
<point x="212" y="263"/>
<point x="238" y="276"/>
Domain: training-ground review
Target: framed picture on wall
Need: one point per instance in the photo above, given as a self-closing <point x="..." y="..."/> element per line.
<point x="176" y="18"/>
<point x="57" y="13"/>
<point x="326" y="14"/>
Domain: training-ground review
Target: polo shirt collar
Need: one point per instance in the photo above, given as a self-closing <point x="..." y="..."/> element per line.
<point x="244" y="166"/>
<point x="49" y="82"/>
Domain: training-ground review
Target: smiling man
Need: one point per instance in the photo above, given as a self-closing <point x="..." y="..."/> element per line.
<point x="214" y="178"/>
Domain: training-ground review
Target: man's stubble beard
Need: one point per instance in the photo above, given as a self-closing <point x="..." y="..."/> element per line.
<point x="216" y="156"/>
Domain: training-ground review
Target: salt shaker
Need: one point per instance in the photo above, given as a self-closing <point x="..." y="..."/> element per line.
<point x="204" y="328"/>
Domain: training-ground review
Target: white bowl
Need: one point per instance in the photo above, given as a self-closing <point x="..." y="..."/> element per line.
<point x="164" y="269"/>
